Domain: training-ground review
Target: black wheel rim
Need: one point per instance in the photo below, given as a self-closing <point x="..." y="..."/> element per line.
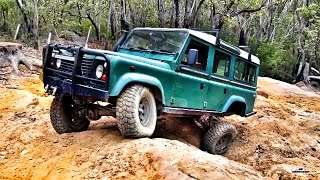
<point x="144" y="112"/>
<point x="223" y="143"/>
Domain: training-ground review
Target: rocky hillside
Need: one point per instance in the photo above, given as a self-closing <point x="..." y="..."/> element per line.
<point x="282" y="137"/>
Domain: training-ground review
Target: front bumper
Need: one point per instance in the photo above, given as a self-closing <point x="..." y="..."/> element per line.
<point x="57" y="86"/>
<point x="72" y="77"/>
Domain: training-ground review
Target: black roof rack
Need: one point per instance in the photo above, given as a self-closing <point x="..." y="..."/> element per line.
<point x="216" y="33"/>
<point x="247" y="49"/>
<point x="227" y="46"/>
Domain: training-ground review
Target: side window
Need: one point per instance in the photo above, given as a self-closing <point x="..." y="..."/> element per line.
<point x="245" y="71"/>
<point x="221" y="64"/>
<point x="239" y="70"/>
<point x="203" y="51"/>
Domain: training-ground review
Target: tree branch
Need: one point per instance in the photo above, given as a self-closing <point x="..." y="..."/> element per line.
<point x="247" y="10"/>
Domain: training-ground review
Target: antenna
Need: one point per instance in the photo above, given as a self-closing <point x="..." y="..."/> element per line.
<point x="49" y="38"/>
<point x="86" y="45"/>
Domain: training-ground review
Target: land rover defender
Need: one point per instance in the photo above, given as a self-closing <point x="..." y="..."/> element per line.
<point x="153" y="73"/>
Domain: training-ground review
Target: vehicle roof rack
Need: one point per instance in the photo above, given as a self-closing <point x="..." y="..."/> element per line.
<point x="225" y="45"/>
<point x="222" y="44"/>
<point x="247" y="49"/>
<point x="216" y="33"/>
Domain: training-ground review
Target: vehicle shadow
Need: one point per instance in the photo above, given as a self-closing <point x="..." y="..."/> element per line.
<point x="181" y="129"/>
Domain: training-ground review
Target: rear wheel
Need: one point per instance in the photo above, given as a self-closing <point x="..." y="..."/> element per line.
<point x="219" y="137"/>
<point x="62" y="117"/>
<point x="136" y="112"/>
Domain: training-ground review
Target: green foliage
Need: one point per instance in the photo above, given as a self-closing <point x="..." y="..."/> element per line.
<point x="311" y="12"/>
<point x="272" y="31"/>
<point x="276" y="59"/>
<point x="311" y="33"/>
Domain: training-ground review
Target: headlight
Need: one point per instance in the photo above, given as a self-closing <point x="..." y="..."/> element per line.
<point x="99" y="71"/>
<point x="58" y="63"/>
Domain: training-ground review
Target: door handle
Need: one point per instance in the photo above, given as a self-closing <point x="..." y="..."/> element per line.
<point x="225" y="91"/>
<point x="202" y="86"/>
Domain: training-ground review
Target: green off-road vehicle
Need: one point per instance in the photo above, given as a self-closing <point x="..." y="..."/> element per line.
<point x="152" y="73"/>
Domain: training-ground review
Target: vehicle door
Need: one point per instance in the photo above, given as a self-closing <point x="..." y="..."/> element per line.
<point x="191" y="81"/>
<point x="218" y="89"/>
<point x="244" y="82"/>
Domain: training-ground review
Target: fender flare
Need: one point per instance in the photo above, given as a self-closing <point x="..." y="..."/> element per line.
<point x="231" y="100"/>
<point x="127" y="78"/>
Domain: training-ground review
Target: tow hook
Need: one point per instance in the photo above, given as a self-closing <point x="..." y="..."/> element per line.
<point x="51" y="90"/>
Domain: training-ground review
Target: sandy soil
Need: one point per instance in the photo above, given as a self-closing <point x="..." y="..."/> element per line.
<point x="283" y="136"/>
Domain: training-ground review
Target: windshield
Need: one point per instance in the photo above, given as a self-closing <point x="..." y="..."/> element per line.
<point x="156" y="41"/>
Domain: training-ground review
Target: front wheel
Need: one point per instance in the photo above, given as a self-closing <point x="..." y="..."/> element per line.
<point x="62" y="116"/>
<point x="218" y="138"/>
<point x="136" y="112"/>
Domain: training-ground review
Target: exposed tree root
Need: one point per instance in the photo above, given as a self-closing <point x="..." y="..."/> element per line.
<point x="11" y="55"/>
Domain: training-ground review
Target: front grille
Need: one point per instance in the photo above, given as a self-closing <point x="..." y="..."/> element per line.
<point x="86" y="67"/>
<point x="66" y="66"/>
<point x="84" y="75"/>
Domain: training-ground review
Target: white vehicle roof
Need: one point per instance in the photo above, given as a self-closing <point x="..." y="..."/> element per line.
<point x="208" y="38"/>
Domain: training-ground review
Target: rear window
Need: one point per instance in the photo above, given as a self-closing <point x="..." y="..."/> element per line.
<point x="244" y="72"/>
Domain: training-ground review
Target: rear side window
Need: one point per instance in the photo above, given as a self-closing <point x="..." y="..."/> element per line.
<point x="245" y="72"/>
<point x="221" y="64"/>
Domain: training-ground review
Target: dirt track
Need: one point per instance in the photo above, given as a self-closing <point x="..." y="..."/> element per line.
<point x="284" y="135"/>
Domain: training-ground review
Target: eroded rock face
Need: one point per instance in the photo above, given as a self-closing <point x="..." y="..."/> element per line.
<point x="283" y="135"/>
<point x="176" y="160"/>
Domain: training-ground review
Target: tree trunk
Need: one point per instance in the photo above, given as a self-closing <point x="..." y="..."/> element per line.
<point x="35" y="29"/>
<point x="132" y="15"/>
<point x="212" y="13"/>
<point x="25" y="16"/>
<point x="112" y="18"/>
<point x="11" y="55"/>
<point x="96" y="27"/>
<point x="186" y="22"/>
<point x="172" y="15"/>
<point x="161" y="13"/>
<point x="5" y="26"/>
<point x="194" y="12"/>
<point x="178" y="22"/>
<point x="242" y="39"/>
<point x="123" y="9"/>
<point x="305" y="73"/>
<point x="218" y="21"/>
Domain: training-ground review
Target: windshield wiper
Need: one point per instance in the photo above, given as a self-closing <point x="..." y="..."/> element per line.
<point x="163" y="51"/>
<point x="136" y="48"/>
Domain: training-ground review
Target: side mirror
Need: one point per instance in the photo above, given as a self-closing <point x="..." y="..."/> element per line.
<point x="192" y="56"/>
